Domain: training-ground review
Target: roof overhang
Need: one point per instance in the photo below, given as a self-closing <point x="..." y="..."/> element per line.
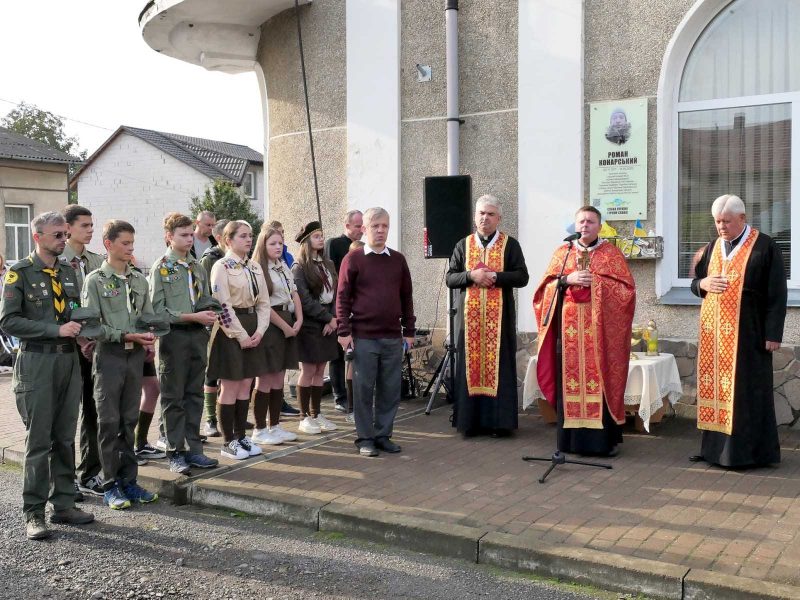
<point x="219" y="36"/>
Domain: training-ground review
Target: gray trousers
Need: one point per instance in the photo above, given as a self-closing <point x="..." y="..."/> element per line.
<point x="182" y="355"/>
<point x="48" y="391"/>
<point x="377" y="370"/>
<point x="89" y="465"/>
<point x="117" y="392"/>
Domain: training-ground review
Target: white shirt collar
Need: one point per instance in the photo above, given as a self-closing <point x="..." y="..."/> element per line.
<point x="742" y="236"/>
<point x="368" y="250"/>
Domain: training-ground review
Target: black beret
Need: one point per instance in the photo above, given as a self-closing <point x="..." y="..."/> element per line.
<point x="307" y="231"/>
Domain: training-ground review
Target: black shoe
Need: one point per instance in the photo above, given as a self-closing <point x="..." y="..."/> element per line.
<point x="696" y="458"/>
<point x="613" y="452"/>
<point x="340" y="407"/>
<point x="78" y="494"/>
<point x="387" y="445"/>
<point x="249" y="425"/>
<point x="368" y="449"/>
<point x="203" y="439"/>
<point x="287" y="410"/>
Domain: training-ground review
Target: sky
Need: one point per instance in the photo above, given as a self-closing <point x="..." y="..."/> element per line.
<point x="87" y="62"/>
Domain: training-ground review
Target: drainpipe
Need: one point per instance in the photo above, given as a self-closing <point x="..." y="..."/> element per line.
<point x="451" y="53"/>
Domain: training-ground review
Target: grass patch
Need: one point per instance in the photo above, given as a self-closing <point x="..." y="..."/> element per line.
<point x="565" y="586"/>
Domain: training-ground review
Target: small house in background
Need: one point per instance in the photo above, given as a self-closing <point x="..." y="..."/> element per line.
<point x="139" y="175"/>
<point x="33" y="179"/>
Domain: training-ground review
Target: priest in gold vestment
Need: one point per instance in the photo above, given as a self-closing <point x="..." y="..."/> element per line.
<point x="599" y="298"/>
<point x="742" y="281"/>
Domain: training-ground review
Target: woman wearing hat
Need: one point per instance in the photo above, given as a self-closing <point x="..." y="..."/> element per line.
<point x="236" y="355"/>
<point x="280" y="340"/>
<point x="315" y="277"/>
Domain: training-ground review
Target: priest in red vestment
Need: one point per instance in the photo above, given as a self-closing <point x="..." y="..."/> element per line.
<point x="599" y="298"/>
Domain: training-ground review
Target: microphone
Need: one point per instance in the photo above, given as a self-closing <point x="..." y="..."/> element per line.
<point x="572" y="237"/>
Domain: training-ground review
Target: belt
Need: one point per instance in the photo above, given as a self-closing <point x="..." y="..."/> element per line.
<point x="280" y="307"/>
<point x="249" y="310"/>
<point x="186" y="326"/>
<point x="66" y="348"/>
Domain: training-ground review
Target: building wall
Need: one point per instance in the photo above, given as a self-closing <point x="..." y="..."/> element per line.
<point x="42" y="186"/>
<point x="135" y="181"/>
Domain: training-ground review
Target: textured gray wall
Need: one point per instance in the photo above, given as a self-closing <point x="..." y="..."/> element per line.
<point x="487" y="42"/>
<point x="291" y="185"/>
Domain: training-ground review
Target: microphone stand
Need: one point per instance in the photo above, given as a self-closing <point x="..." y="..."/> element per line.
<point x="558" y="457"/>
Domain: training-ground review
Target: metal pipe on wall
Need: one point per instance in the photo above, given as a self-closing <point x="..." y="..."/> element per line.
<point x="451" y="54"/>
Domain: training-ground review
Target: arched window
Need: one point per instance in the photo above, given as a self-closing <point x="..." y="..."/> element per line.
<point x="736" y="121"/>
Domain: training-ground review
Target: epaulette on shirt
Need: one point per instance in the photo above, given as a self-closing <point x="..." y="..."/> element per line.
<point x="21" y="264"/>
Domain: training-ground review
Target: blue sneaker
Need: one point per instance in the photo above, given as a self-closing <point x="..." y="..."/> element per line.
<point x="178" y="464"/>
<point x="115" y="499"/>
<point x="201" y="461"/>
<point x="135" y="493"/>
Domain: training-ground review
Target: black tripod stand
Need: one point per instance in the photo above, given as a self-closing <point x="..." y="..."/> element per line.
<point x="558" y="457"/>
<point x="449" y="359"/>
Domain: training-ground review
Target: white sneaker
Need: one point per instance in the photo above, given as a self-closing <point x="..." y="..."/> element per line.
<point x="266" y="436"/>
<point x="161" y="444"/>
<point x="249" y="446"/>
<point x="350" y="418"/>
<point x="326" y="425"/>
<point x="309" y="425"/>
<point x="286" y="436"/>
<point x="234" y="450"/>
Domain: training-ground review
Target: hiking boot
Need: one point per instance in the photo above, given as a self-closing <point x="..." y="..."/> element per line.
<point x="201" y="461"/>
<point x="135" y="493"/>
<point x="115" y="499"/>
<point x="36" y="528"/>
<point x="178" y="464"/>
<point x="234" y="450"/>
<point x="71" y="516"/>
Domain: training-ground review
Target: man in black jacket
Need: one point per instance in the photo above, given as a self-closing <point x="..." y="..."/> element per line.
<point x="336" y="249"/>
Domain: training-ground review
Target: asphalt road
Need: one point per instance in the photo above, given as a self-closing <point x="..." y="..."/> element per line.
<point x="172" y="552"/>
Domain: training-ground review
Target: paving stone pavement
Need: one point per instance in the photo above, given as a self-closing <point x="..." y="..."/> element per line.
<point x="653" y="505"/>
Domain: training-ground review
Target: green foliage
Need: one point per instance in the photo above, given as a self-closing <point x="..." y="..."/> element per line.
<point x="45" y="127"/>
<point x="226" y="201"/>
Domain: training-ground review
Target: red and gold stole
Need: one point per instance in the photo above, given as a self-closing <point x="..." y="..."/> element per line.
<point x="483" y="317"/>
<point x="596" y="325"/>
<point x="719" y="339"/>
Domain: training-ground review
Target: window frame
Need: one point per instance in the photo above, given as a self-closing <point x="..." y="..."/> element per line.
<point x="17" y="227"/>
<point x="671" y="289"/>
<point x="251" y="177"/>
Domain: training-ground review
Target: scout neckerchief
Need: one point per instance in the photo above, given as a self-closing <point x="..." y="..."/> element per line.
<point x="719" y="337"/>
<point x="327" y="286"/>
<point x="194" y="286"/>
<point x="58" y="293"/>
<point x="483" y="316"/>
<point x="278" y="268"/>
<point x="252" y="276"/>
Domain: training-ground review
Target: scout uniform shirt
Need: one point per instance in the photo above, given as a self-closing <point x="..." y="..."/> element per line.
<point x="176" y="284"/>
<point x="83" y="264"/>
<point x="121" y="299"/>
<point x="238" y="283"/>
<point x="35" y="303"/>
<point x="283" y="285"/>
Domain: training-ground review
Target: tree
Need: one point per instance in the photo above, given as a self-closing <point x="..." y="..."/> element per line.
<point x="45" y="127"/>
<point x="226" y="201"/>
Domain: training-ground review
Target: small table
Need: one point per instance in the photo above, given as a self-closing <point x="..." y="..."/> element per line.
<point x="651" y="381"/>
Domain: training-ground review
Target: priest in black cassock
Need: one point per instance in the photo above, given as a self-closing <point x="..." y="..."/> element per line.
<point x="741" y="278"/>
<point x="484" y="270"/>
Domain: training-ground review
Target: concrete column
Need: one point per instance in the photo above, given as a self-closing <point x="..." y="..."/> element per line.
<point x="550" y="132"/>
<point x="373" y="108"/>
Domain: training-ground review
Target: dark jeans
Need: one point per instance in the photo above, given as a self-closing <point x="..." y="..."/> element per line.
<point x="117" y="392"/>
<point x="89" y="465"/>
<point x="336" y="370"/>
<point x="377" y="369"/>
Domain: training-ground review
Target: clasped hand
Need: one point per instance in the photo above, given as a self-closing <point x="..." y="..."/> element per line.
<point x="482" y="277"/>
<point x="714" y="284"/>
<point x="581" y="278"/>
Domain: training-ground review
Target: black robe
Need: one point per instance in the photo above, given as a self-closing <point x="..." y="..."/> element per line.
<point x="754" y="439"/>
<point x="483" y="414"/>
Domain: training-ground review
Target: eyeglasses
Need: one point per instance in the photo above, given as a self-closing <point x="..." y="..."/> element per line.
<point x="59" y="235"/>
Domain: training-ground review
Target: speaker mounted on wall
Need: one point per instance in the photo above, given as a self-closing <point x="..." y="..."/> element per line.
<point x="448" y="213"/>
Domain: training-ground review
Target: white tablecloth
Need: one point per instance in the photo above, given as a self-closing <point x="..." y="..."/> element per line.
<point x="650" y="378"/>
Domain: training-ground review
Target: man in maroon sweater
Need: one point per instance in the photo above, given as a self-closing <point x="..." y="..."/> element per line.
<point x="375" y="315"/>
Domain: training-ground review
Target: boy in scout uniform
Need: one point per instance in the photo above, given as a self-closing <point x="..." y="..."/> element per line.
<point x="177" y="283"/>
<point x="38" y="297"/>
<point x="80" y="229"/>
<point x="121" y="294"/>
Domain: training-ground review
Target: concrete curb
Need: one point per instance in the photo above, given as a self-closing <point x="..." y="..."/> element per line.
<point x="583" y="565"/>
<point x="706" y="585"/>
<point x="414" y="533"/>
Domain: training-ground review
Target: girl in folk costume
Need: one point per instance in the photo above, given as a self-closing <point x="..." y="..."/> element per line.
<point x="315" y="276"/>
<point x="280" y="340"/>
<point x="237" y="355"/>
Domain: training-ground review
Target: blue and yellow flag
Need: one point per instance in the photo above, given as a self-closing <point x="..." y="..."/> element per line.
<point x="638" y="230"/>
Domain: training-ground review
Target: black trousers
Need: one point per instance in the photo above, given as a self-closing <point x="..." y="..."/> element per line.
<point x="89" y="465"/>
<point x="336" y="370"/>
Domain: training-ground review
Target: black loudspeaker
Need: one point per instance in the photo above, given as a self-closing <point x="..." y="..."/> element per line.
<point x="448" y="213"/>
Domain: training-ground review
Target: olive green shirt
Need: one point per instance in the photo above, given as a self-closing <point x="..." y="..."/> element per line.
<point x="82" y="265"/>
<point x="27" y="310"/>
<point x="169" y="285"/>
<point x="107" y="291"/>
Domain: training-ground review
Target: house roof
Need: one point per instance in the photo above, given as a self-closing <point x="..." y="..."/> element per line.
<point x="215" y="159"/>
<point x="16" y="146"/>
